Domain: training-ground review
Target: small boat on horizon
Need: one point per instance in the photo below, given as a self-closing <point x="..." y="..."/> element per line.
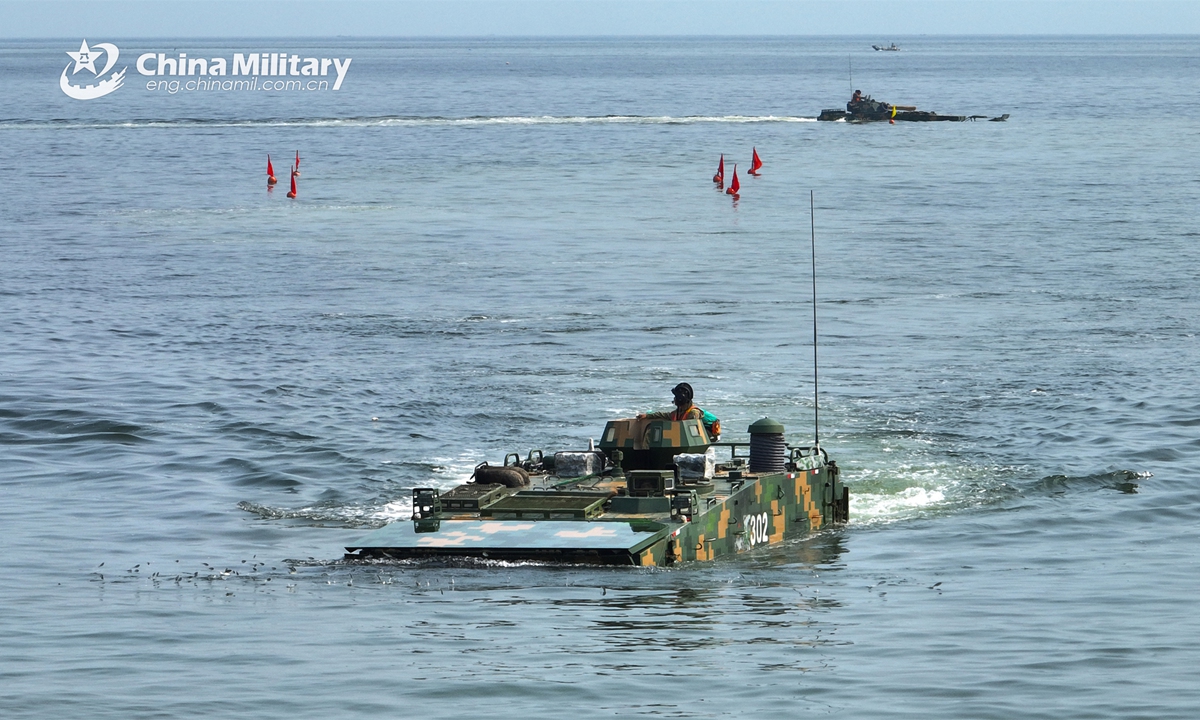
<point x="887" y="48"/>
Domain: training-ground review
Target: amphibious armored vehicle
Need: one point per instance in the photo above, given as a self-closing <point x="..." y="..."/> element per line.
<point x="865" y="109"/>
<point x="653" y="492"/>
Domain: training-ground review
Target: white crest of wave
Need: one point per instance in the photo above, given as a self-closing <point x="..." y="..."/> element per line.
<point x="456" y="470"/>
<point x="883" y="508"/>
<point x="517" y="120"/>
<point x="395" y="510"/>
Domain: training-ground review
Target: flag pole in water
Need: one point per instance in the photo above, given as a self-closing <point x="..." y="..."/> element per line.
<point x="270" y="172"/>
<point x="296" y="170"/>
<point x="292" y="192"/>
<point x="734" y="186"/>
<point x="816" y="407"/>
<point x="719" y="178"/>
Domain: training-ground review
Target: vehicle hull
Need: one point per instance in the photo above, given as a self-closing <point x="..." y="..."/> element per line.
<point x="724" y="517"/>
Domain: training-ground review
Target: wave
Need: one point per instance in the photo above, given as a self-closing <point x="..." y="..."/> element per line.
<point x="69" y="427"/>
<point x="1124" y="481"/>
<point x="404" y="121"/>
<point x="884" y="497"/>
<point x="351" y="516"/>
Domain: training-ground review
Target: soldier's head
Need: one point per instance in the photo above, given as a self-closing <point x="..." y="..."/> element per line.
<point x="683" y="394"/>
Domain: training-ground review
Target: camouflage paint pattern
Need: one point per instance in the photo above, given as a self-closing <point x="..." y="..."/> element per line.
<point x="648" y="433"/>
<point x="653" y="442"/>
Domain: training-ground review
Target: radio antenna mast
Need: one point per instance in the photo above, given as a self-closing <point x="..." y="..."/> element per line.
<point x="816" y="408"/>
<point x="850" y="65"/>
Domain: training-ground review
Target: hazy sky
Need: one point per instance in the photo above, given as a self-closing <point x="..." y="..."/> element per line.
<point x="883" y="18"/>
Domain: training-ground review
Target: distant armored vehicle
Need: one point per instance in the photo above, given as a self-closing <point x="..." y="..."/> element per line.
<point x="652" y="493"/>
<point x="862" y="108"/>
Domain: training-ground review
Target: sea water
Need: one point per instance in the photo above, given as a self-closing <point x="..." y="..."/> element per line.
<point x="208" y="389"/>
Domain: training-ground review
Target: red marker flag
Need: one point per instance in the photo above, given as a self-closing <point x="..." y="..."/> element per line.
<point x="756" y="163"/>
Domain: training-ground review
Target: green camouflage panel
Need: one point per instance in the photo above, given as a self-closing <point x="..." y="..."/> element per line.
<point x="647" y="433"/>
<point x="769" y="510"/>
<point x="651" y="443"/>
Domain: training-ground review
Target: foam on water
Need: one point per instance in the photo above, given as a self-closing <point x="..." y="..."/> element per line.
<point x="400" y="121"/>
<point x="869" y="508"/>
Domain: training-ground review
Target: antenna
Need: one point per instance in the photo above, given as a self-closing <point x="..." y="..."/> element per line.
<point x="849" y="64"/>
<point x="816" y="408"/>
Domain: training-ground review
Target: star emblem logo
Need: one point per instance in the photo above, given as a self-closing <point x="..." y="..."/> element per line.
<point x="85" y="58"/>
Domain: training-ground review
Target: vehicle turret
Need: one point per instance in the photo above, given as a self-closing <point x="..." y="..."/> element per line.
<point x="651" y="444"/>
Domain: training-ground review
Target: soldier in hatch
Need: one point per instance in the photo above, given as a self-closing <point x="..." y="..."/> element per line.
<point x="686" y="410"/>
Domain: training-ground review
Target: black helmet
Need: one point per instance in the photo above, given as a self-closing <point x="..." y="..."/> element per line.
<point x="683" y="392"/>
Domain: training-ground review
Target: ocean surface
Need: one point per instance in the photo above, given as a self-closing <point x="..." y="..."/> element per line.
<point x="207" y="390"/>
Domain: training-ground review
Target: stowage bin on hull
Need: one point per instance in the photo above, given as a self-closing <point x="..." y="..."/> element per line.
<point x="653" y="493"/>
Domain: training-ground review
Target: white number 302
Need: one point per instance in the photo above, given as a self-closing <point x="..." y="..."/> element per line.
<point x="756" y="527"/>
